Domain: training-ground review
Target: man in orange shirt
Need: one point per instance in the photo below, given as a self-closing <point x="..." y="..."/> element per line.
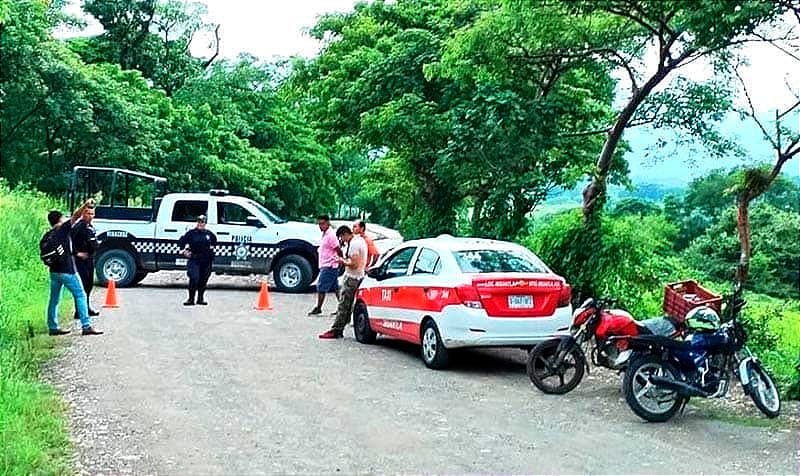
<point x="360" y="229"/>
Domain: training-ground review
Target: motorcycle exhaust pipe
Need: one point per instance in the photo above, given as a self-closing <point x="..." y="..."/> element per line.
<point x="682" y="388"/>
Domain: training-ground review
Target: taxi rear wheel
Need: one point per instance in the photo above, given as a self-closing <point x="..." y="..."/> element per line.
<point x="434" y="353"/>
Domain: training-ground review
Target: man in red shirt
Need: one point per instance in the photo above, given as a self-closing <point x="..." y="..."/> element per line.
<point x="360" y="229"/>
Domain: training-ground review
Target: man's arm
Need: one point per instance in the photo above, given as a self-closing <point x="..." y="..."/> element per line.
<point x="356" y="259"/>
<point x="184" y="240"/>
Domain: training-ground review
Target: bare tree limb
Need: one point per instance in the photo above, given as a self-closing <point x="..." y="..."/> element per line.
<point x="789" y="109"/>
<point x="216" y="49"/>
<point x="776" y="45"/>
<point x="753" y="113"/>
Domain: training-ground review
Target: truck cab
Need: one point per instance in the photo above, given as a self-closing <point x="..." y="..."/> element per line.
<point x="136" y="241"/>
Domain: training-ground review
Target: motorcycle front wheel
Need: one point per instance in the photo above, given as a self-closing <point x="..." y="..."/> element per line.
<point x="762" y="390"/>
<point x="553" y="378"/>
<point x="649" y="401"/>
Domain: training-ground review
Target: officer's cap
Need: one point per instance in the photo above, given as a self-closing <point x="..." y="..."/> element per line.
<point x="201" y="218"/>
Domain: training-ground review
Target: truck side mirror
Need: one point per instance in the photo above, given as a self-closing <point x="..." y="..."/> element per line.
<point x="253" y="221"/>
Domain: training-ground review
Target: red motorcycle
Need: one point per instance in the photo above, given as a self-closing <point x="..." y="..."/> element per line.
<point x="557" y="366"/>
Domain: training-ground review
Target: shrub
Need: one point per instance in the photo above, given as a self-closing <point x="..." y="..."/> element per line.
<point x="775" y="263"/>
<point x="631" y="259"/>
<point x="33" y="437"/>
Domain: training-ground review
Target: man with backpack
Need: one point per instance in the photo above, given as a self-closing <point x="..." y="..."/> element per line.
<point x="56" y="253"/>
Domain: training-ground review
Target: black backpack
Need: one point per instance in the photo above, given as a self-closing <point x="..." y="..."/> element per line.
<point x="52" y="250"/>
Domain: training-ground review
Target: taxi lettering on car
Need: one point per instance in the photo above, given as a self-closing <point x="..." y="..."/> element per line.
<point x="444" y="293"/>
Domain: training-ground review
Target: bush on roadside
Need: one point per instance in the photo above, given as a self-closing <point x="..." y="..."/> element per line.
<point x="773" y="331"/>
<point x="33" y="436"/>
<point x="631" y="261"/>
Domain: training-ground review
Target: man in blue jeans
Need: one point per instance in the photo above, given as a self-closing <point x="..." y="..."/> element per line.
<point x="64" y="274"/>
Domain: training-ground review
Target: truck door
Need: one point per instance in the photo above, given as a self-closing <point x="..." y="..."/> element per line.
<point x="237" y="247"/>
<point x="182" y="218"/>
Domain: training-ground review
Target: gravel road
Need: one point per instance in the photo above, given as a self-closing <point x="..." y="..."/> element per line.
<point x="225" y="389"/>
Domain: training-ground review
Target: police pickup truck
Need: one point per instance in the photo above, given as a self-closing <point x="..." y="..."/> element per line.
<point x="135" y="241"/>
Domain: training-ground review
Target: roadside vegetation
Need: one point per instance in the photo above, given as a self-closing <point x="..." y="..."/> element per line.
<point x="33" y="434"/>
<point x="648" y="242"/>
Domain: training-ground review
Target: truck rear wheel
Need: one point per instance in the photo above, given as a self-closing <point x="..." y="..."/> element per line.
<point x="117" y="265"/>
<point x="293" y="274"/>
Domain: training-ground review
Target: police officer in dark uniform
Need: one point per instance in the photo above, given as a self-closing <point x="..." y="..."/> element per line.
<point x="196" y="245"/>
<point x="84" y="245"/>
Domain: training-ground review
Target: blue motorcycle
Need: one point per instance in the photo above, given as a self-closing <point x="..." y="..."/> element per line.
<point x="665" y="373"/>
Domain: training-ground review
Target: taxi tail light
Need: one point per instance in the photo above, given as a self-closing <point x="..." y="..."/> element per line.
<point x="565" y="296"/>
<point x="469" y="297"/>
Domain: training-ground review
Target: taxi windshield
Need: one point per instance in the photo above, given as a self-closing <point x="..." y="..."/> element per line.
<point x="497" y="261"/>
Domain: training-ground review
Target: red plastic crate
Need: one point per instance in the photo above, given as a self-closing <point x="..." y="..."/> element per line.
<point x="682" y="297"/>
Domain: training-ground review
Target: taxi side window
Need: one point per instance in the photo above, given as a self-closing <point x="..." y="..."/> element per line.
<point x="398" y="264"/>
<point x="231" y="214"/>
<point x="428" y="262"/>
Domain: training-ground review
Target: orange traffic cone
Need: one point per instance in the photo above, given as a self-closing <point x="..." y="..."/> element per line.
<point x="264" y="302"/>
<point x="111" y="295"/>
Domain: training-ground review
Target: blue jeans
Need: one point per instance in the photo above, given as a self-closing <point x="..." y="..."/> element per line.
<point x="73" y="283"/>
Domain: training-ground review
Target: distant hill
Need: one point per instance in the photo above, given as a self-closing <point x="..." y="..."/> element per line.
<point x="677" y="166"/>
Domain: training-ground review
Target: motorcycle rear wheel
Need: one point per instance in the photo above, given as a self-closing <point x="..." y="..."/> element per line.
<point x="551" y="379"/>
<point x="763" y="391"/>
<point x="649" y="401"/>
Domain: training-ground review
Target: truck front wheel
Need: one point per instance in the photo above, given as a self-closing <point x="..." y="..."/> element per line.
<point x="117" y="265"/>
<point x="293" y="274"/>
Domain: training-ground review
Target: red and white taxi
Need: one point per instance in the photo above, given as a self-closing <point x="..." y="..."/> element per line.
<point x="445" y="293"/>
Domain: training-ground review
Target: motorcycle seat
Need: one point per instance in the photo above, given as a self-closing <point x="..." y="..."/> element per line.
<point x="659" y="341"/>
<point x="659" y="326"/>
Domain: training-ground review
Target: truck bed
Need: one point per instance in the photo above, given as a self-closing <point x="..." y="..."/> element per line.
<point x="124" y="213"/>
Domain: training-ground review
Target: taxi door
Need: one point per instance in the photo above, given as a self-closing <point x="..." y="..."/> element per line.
<point x="388" y="298"/>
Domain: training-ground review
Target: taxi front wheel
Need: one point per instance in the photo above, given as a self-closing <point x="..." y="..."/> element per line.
<point x="361" y="327"/>
<point x="434" y="353"/>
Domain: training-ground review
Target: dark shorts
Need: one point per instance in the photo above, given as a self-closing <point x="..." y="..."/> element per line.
<point x="328" y="280"/>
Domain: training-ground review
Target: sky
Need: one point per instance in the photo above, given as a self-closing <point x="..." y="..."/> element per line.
<point x="271" y="29"/>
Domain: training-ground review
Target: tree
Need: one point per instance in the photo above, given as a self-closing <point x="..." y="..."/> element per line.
<point x="150" y="36"/>
<point x="510" y="144"/>
<point x="785" y="144"/>
<point x="711" y="195"/>
<point x="367" y="91"/>
<point x="774" y="262"/>
<point x="127" y="26"/>
<point x="682" y="32"/>
<point x="244" y="93"/>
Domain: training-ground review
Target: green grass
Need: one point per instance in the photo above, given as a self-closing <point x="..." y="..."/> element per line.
<point x="33" y="433"/>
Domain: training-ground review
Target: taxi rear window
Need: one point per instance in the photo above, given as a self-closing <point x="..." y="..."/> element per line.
<point x="496" y="261"/>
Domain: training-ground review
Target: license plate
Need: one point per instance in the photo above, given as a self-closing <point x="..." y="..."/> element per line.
<point x="520" y="302"/>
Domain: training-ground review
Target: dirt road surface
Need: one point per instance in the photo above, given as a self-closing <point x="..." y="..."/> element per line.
<point x="227" y="390"/>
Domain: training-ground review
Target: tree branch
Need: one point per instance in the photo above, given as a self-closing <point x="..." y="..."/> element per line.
<point x="24" y="118"/>
<point x="753" y="114"/>
<point x="594" y="132"/>
<point x="216" y="50"/>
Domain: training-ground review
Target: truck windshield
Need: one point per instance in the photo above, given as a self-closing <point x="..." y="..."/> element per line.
<point x="271" y="216"/>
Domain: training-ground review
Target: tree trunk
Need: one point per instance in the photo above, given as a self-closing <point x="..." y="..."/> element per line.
<point x="594" y="193"/>
<point x="743" y="227"/>
<point x="477" y="212"/>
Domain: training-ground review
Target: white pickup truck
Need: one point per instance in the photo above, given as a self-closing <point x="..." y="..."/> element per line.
<point x="135" y="241"/>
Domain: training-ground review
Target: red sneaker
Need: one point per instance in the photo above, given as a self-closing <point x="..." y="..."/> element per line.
<point x="331" y="334"/>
